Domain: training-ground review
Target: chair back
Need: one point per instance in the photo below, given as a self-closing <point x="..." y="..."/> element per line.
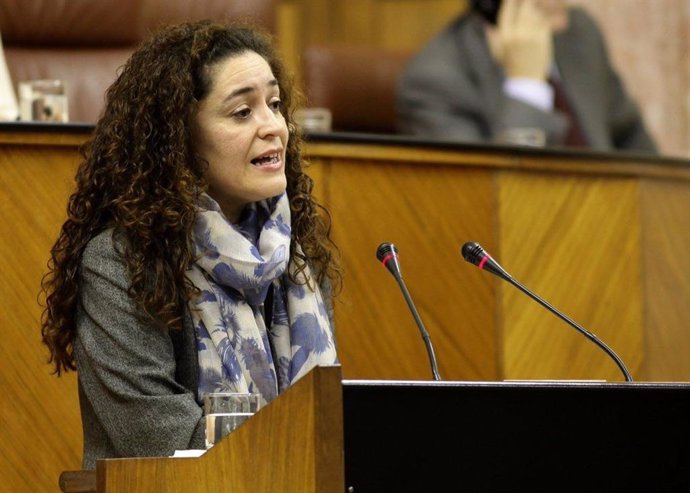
<point x="356" y="83"/>
<point x="84" y="42"/>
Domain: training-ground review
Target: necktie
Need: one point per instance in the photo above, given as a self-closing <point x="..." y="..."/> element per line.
<point x="574" y="136"/>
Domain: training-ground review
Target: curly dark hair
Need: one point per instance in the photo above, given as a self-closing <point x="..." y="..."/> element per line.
<point x="141" y="177"/>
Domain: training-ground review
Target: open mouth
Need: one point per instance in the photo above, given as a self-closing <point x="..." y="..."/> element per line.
<point x="267" y="159"/>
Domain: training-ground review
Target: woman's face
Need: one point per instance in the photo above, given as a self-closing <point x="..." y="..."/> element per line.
<point x="238" y="128"/>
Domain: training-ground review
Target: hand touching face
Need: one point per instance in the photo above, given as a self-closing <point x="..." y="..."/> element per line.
<point x="522" y="40"/>
<point x="556" y="13"/>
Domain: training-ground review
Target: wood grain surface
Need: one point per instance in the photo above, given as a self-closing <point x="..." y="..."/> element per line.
<point x="574" y="241"/>
<point x="604" y="238"/>
<point x="41" y="430"/>
<point x="293" y="445"/>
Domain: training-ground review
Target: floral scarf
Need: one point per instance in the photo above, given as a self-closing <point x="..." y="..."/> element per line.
<point x="236" y="266"/>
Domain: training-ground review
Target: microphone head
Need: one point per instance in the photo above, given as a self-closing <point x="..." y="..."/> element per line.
<point x="386" y="249"/>
<point x="387" y="253"/>
<point x="473" y="252"/>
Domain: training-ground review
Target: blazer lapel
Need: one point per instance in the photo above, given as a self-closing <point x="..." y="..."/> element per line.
<point x="487" y="75"/>
<point x="582" y="83"/>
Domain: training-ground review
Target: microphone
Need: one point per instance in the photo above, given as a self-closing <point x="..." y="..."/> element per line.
<point x="475" y="254"/>
<point x="387" y="253"/>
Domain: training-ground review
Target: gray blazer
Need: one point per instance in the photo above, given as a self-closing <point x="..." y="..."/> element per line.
<point x="137" y="384"/>
<point x="453" y="90"/>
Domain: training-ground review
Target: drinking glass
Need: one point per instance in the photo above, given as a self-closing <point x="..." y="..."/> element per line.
<point x="225" y="411"/>
<point x="43" y="100"/>
<point x="314" y="119"/>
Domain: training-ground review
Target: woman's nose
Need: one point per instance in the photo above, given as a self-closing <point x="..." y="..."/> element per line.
<point x="271" y="121"/>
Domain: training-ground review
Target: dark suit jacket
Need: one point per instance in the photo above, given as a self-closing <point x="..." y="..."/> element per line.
<point x="453" y="90"/>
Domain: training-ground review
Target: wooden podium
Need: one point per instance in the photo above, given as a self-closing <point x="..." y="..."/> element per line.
<point x="326" y="435"/>
<point x="295" y="444"/>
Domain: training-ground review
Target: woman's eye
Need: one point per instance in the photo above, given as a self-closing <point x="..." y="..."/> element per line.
<point x="242" y="114"/>
<point x="276" y="104"/>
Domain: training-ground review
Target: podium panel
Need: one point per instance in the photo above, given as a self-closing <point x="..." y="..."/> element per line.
<point x="462" y="437"/>
<point x="325" y="435"/>
<point x="293" y="445"/>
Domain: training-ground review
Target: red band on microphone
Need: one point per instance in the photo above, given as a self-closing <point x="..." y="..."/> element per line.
<point x="385" y="259"/>
<point x="483" y="261"/>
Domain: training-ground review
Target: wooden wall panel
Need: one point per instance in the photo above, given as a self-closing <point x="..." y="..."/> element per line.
<point x="665" y="209"/>
<point x="41" y="429"/>
<point x="397" y="24"/>
<point x="574" y="241"/>
<point x="377" y="201"/>
<point x="371" y="22"/>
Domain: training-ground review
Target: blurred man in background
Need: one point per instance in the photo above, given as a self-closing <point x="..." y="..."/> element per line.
<point x="516" y="66"/>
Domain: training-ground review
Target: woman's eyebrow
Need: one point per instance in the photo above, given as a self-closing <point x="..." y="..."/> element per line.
<point x="247" y="89"/>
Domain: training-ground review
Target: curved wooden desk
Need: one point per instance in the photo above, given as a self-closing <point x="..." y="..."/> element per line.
<point x="602" y="237"/>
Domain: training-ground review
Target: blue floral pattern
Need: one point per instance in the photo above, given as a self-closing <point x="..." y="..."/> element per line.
<point x="238" y="350"/>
